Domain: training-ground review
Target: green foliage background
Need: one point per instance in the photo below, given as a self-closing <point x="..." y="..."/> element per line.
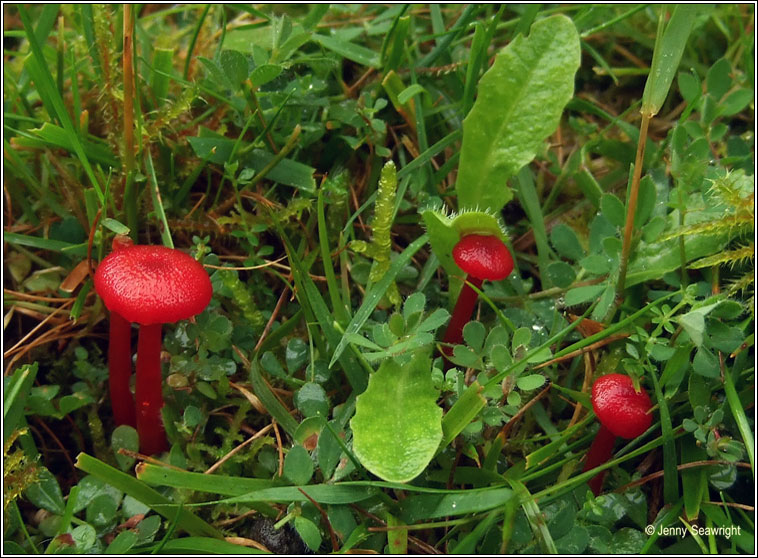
<point x="260" y="135"/>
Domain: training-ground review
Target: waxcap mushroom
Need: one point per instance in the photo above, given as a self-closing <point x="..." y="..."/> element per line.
<point x="483" y="257"/>
<point x="153" y="284"/>
<point x="619" y="407"/>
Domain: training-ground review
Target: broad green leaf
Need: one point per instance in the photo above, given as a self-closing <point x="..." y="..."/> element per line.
<point x="123" y="542"/>
<point x="434" y="320"/>
<point x="473" y="334"/>
<point x="126" y="437"/>
<point x="397" y="424"/>
<point x="265" y="73"/>
<point x="613" y="210"/>
<point x="308" y="532"/>
<point x="530" y="382"/>
<point x="234" y="66"/>
<point x="652" y="260"/>
<point x="46" y="493"/>
<point x="520" y="101"/>
<point x="564" y="240"/>
<point x="580" y="295"/>
<point x="311" y="400"/>
<point x="705" y="363"/>
<point x="718" y="79"/>
<point x="561" y="274"/>
<point x="298" y="466"/>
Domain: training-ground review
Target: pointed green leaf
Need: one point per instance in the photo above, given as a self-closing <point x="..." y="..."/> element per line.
<point x="669" y="47"/>
<point x="520" y="101"/>
<point x="397" y="424"/>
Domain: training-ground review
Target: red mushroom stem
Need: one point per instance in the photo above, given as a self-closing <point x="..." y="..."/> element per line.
<point x="600" y="452"/>
<point x="120" y="358"/>
<point x="481" y="257"/>
<point x="464" y="307"/>
<point x="120" y="370"/>
<point x="149" y="390"/>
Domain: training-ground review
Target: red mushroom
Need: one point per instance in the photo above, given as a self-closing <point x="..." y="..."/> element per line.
<point x="150" y="285"/>
<point x="481" y="257"/>
<point x="622" y="411"/>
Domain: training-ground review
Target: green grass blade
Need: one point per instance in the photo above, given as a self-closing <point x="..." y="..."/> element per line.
<point x="556" y="447"/>
<point x="217" y="484"/>
<point x="187" y="521"/>
<point x="467" y="544"/>
<point x="669" y="46"/>
<point x="14" y="395"/>
<point x="157" y="202"/>
<point x="443" y="45"/>
<point x="68" y="513"/>
<point x="351" y="51"/>
<point x="663" y="520"/>
<point x="556" y="490"/>
<point x="44" y="27"/>
<point x="694" y="481"/>
<point x="269" y="400"/>
<point x="670" y="474"/>
<point x="47" y="90"/>
<point x="477" y="58"/>
<point x="163" y="63"/>
<point x="459" y="502"/>
<point x="45" y="244"/>
<point x="462" y="413"/>
<point x="195" y="34"/>
<point x="527" y="194"/>
<point x="612" y="21"/>
<point x="335" y="494"/>
<point x="203" y="545"/>
<point x="50" y="135"/>
<point x="376" y="293"/>
<point x="313" y="300"/>
<point x="331" y="280"/>
<point x="738" y="412"/>
<point x="535" y="517"/>
<point x="88" y="28"/>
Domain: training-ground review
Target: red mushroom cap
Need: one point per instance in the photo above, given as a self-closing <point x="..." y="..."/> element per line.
<point x="152" y="284"/>
<point x="621" y="409"/>
<point x="483" y="257"/>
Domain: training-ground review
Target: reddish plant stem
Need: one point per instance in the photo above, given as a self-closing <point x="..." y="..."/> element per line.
<point x="600" y="452"/>
<point x="152" y="438"/>
<point x="464" y="307"/>
<point x="120" y="370"/>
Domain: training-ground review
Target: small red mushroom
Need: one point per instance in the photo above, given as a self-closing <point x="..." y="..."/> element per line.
<point x="151" y="286"/>
<point x="481" y="257"/>
<point x="623" y="412"/>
